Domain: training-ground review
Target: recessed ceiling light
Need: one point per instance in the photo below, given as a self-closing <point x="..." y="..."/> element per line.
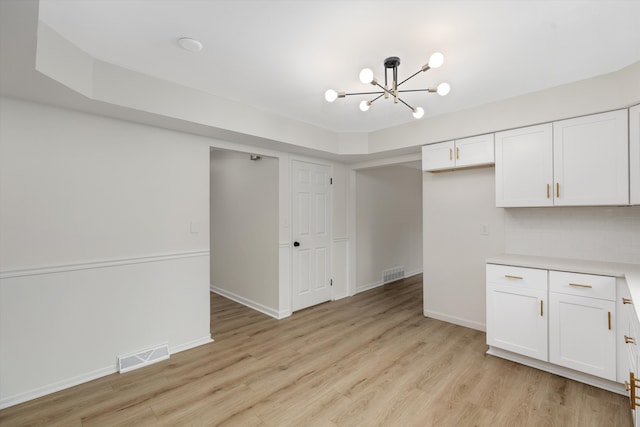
<point x="192" y="45"/>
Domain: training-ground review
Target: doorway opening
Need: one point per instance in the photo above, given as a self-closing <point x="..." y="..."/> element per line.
<point x="388" y="224"/>
<point x="243" y="197"/>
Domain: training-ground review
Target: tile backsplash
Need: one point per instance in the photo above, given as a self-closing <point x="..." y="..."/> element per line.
<point x="590" y="233"/>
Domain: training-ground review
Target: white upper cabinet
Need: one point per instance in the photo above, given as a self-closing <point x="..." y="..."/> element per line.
<point x="576" y="162"/>
<point x="466" y="152"/>
<point x="524" y="166"/>
<point x="438" y="156"/>
<point x="474" y="151"/>
<point x="590" y="158"/>
<point x="634" y="154"/>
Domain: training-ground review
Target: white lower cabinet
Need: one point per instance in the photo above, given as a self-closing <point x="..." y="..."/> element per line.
<point x="629" y="350"/>
<point x="582" y="334"/>
<point x="582" y="327"/>
<point x="565" y="319"/>
<point x="516" y="315"/>
<point x="517" y="320"/>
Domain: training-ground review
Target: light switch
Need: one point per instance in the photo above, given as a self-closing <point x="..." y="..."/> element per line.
<point x="195" y="227"/>
<point x="484" y="229"/>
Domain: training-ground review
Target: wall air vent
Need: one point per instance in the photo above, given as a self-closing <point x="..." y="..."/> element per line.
<point x="129" y="362"/>
<point x="392" y="274"/>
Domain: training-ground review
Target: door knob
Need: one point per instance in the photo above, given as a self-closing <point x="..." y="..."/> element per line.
<point x="296" y="244"/>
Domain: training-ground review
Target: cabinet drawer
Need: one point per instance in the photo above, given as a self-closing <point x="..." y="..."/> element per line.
<point x="587" y="285"/>
<point x="531" y="278"/>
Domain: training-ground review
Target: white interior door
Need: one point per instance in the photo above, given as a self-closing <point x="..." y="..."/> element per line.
<point x="311" y="233"/>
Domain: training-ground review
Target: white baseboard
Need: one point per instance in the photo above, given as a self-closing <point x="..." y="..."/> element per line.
<point x="191" y="344"/>
<point x="602" y="383"/>
<point x="337" y="297"/>
<point x="83" y="378"/>
<point x="57" y="386"/>
<point x="456" y="320"/>
<point x="412" y="273"/>
<point x="269" y="311"/>
<point x="367" y="287"/>
<point x="374" y="285"/>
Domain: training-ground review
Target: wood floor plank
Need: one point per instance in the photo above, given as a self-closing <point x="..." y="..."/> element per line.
<point x="369" y="360"/>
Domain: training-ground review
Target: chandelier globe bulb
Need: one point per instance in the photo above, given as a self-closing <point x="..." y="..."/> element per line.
<point x="366" y="76"/>
<point x="436" y="60"/>
<point x="331" y="95"/>
<point x="443" y="89"/>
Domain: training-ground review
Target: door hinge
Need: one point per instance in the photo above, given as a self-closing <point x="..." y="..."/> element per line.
<point x="330" y="181"/>
<point x="331" y="282"/>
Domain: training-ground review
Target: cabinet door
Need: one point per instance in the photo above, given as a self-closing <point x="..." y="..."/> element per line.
<point x="582" y="334"/>
<point x="634" y="361"/>
<point x="591" y="158"/>
<point x="517" y="320"/>
<point x="634" y="154"/>
<point x="624" y="345"/>
<point x="524" y="166"/>
<point x="438" y="156"/>
<point x="477" y="150"/>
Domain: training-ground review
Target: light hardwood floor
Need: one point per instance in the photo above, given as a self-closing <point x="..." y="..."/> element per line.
<point x="370" y="360"/>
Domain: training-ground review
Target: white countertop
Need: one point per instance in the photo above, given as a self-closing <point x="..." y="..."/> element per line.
<point x="631" y="272"/>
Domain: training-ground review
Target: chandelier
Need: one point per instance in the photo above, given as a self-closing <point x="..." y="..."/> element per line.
<point x="391" y="89"/>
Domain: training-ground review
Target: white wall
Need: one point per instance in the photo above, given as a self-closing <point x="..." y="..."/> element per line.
<point x="389" y="223"/>
<point x="244" y="229"/>
<point x="612" y="91"/>
<point x="456" y="204"/>
<point x="590" y="233"/>
<point x="97" y="256"/>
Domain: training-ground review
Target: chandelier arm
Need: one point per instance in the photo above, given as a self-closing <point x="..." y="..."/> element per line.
<point x="384" y="89"/>
<point x="365" y="93"/>
<point x="417" y="90"/>
<point x="410" y="77"/>
<point x="410" y="107"/>
<point x="377" y="97"/>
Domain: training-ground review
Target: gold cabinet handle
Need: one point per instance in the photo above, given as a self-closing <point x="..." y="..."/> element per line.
<point x="629" y="340"/>
<point x="548" y="191"/>
<point x="609" y="319"/>
<point x="626" y="301"/>
<point x="557" y="190"/>
<point x="450" y="153"/>
<point x="541" y="308"/>
<point x="631" y="388"/>
<point x="457" y="153"/>
<point x="580" y="285"/>
<point x="508" y="276"/>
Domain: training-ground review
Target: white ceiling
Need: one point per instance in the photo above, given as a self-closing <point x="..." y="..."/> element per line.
<point x="282" y="56"/>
